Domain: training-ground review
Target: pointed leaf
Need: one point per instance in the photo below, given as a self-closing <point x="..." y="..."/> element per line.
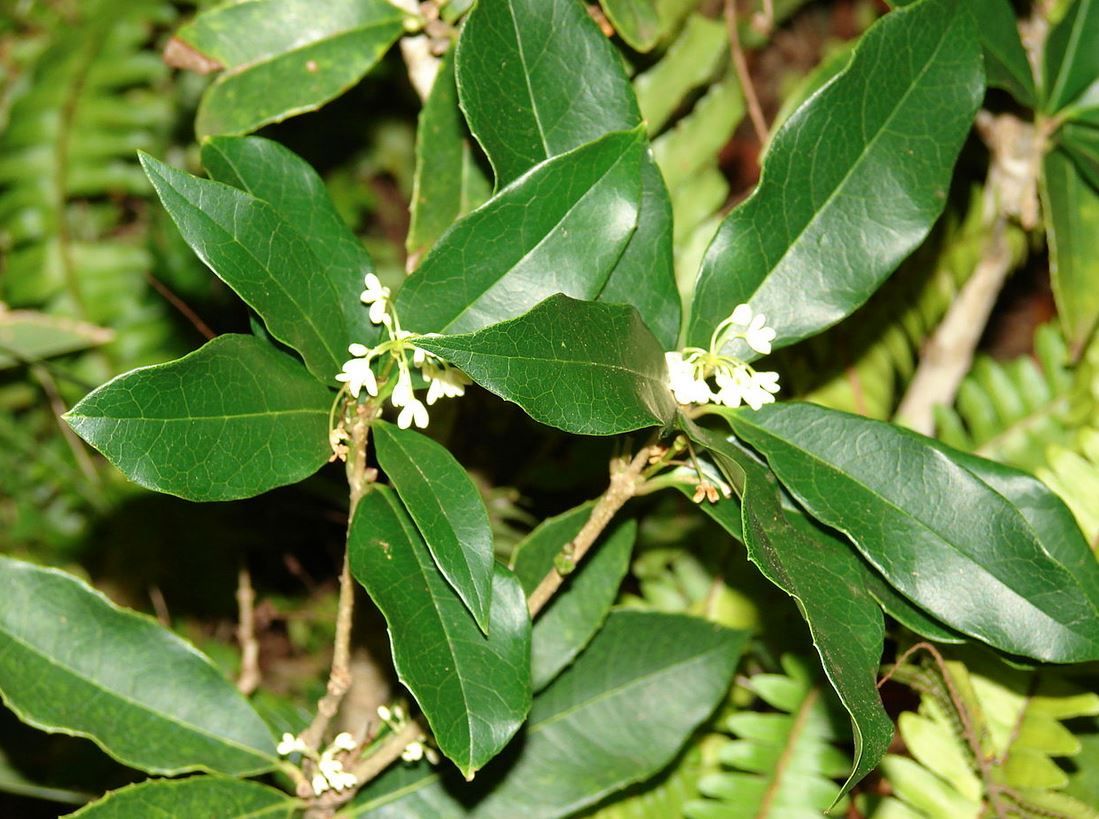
<point x="644" y="275"/>
<point x="586" y="368"/>
<point x="269" y="264"/>
<point x="577" y="611"/>
<point x="636" y="21"/>
<point x="1071" y="211"/>
<point x="1081" y="142"/>
<point x="938" y="533"/>
<point x="448" y="183"/>
<point x="1071" y="56"/>
<point x="72" y="662"/>
<point x="198" y="797"/>
<point x="27" y="336"/>
<point x="618" y="715"/>
<point x="852" y="182"/>
<point x="447" y="510"/>
<point x="825" y="577"/>
<point x="608" y="721"/>
<point x="558" y="229"/>
<point x="1006" y="63"/>
<point x="284" y="57"/>
<point x="537" y="79"/>
<point x="282" y="179"/>
<point x="474" y="690"/>
<point x="231" y="420"/>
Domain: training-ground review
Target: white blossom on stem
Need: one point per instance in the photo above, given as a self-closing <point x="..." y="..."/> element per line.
<point x="377" y="297"/>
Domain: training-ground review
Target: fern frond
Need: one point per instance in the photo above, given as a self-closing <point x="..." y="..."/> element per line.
<point x="782" y="760"/>
<point x="92" y="97"/>
<point x="1012" y="411"/>
<point x="1072" y="471"/>
<point x="999" y="755"/>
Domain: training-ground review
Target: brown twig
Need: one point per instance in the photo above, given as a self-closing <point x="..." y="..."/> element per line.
<point x="626" y="479"/>
<point x="740" y="63"/>
<point x="57" y="406"/>
<point x="179" y="304"/>
<point x="249" y="678"/>
<point x="339" y="679"/>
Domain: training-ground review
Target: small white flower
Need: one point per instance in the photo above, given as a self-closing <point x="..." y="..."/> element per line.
<point x="444" y="382"/>
<point x="742" y="315"/>
<point x="687" y="387"/>
<point x="290" y="744"/>
<point x="343" y="780"/>
<point x="344" y="742"/>
<point x="384" y="714"/>
<point x="733" y="382"/>
<point x="377" y="297"/>
<point x="413" y="753"/>
<point x="759" y="336"/>
<point x="403" y="393"/>
<point x="320" y="784"/>
<point x="357" y="374"/>
<point x="414" y="412"/>
<point x="760" y="389"/>
<point x="359" y="350"/>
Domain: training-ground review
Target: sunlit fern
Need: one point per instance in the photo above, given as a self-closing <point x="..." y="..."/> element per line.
<point x="985" y="743"/>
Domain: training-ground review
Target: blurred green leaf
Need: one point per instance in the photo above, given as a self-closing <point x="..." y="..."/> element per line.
<point x="27" y="336"/>
<point x="1071" y="211"/>
<point x="1071" y="59"/>
<point x="231" y="420"/>
<point x="1006" y="63"/>
<point x="636" y="22"/>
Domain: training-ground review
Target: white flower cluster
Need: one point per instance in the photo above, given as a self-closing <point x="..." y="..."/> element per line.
<point x="330" y="773"/>
<point x="443" y="380"/>
<point x="690" y="371"/>
<point x="415" y="750"/>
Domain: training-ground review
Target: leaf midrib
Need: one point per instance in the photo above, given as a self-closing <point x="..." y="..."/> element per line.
<point x="189" y="418"/>
<point x="872" y="143"/>
<point x="306" y="314"/>
<point x="140" y="706"/>
<point x="831" y="468"/>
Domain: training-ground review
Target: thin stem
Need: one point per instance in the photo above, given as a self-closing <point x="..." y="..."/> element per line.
<point x="626" y="480"/>
<point x="339" y="679"/>
<point x="249" y="678"/>
<point x="740" y="63"/>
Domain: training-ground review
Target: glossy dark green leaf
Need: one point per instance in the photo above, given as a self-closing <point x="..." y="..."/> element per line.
<point x="935" y="530"/>
<point x="559" y="229"/>
<point x="1081" y="142"/>
<point x="577" y="611"/>
<point x="644" y="275"/>
<point x="448" y="183"/>
<point x="618" y="715"/>
<point x="284" y="57"/>
<point x="636" y="21"/>
<point x="1006" y="63"/>
<point x="1071" y="58"/>
<point x="72" y="662"/>
<point x="473" y="689"/>
<point x="852" y="182"/>
<point x="231" y="420"/>
<point x="584" y="367"/>
<point x="27" y="336"/>
<point x="826" y="578"/>
<point x="266" y="260"/>
<point x="272" y="174"/>
<point x="198" y="797"/>
<point x="405" y="791"/>
<point x="537" y="79"/>
<point x="447" y="509"/>
<point x="1071" y="212"/>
